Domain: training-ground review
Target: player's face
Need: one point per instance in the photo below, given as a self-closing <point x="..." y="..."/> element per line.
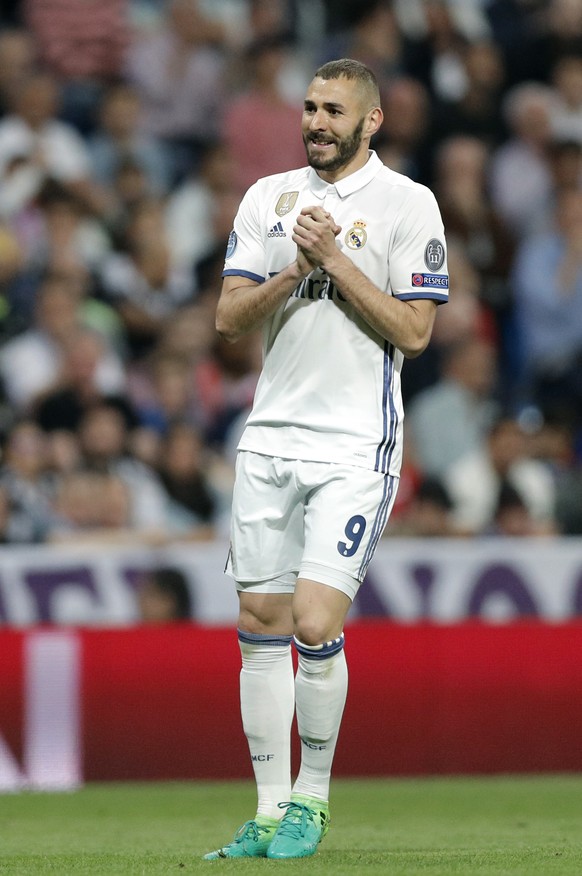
<point x="333" y="126"/>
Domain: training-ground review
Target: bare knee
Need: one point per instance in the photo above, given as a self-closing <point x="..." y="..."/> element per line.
<point x="311" y="631"/>
<point x="319" y="612"/>
<point x="264" y="613"/>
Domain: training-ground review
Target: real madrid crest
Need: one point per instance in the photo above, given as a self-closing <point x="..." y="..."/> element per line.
<point x="286" y="203"/>
<point x="356" y="237"/>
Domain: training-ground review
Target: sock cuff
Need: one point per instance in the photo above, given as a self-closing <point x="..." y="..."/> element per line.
<point x="266" y="639"/>
<point x="320" y="652"/>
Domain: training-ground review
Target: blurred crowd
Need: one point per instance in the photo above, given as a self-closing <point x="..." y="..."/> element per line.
<point x="129" y="129"/>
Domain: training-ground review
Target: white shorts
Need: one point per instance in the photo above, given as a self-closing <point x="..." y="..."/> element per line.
<point x="315" y="520"/>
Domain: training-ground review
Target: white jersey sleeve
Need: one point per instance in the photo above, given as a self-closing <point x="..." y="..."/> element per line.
<point x="245" y="252"/>
<point x="418" y="264"/>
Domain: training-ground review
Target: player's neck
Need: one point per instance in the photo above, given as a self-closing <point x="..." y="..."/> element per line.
<point x="357" y="162"/>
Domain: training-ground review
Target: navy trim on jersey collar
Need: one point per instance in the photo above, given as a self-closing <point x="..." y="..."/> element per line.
<point x="349" y="184"/>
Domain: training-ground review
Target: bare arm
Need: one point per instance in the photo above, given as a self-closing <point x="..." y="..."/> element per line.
<point x="244" y="305"/>
<point x="406" y="324"/>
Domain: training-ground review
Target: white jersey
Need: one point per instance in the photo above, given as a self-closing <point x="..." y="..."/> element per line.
<point x="329" y="390"/>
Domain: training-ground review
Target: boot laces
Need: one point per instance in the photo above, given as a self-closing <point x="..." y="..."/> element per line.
<point x="250" y="830"/>
<point x="294" y="822"/>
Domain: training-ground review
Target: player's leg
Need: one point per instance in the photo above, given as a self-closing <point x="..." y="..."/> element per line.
<point x="320" y="691"/>
<point x="267" y="706"/>
<point x="321" y="681"/>
<point x="345" y="516"/>
<point x="267" y="693"/>
<point x="264" y="530"/>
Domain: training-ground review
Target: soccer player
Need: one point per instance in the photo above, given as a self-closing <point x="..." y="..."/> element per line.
<point x="342" y="264"/>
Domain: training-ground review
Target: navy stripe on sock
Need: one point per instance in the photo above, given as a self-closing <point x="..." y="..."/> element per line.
<point x="262" y="639"/>
<point x="320" y="652"/>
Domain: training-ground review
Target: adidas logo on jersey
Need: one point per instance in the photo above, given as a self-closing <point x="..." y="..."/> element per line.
<point x="276" y="231"/>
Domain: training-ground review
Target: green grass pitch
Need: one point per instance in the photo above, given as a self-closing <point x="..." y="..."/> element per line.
<point x="498" y="825"/>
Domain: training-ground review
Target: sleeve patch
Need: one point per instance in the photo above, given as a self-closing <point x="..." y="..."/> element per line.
<point x="231" y="245"/>
<point x="431" y="281"/>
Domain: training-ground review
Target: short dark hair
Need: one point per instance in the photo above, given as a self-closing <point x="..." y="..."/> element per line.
<point x="348" y="68"/>
<point x="172" y="582"/>
<point x="432" y="490"/>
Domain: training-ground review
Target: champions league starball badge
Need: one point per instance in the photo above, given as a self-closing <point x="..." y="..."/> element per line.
<point x="231" y="245"/>
<point x="434" y="254"/>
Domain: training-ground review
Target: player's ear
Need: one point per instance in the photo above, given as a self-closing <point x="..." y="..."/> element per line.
<point x="375" y="118"/>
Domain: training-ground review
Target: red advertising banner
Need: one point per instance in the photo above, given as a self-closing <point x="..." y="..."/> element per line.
<point x="162" y="703"/>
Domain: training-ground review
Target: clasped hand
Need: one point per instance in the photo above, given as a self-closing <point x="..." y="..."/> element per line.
<point x="314" y="233"/>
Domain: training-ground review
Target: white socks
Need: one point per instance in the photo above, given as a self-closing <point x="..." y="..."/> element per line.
<point x="267" y="700"/>
<point x="321" y="686"/>
<point x="269" y="695"/>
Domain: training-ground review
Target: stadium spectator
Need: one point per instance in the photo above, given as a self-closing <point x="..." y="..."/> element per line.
<point x="17" y="62"/>
<point x="95" y="507"/>
<point x="89" y="373"/>
<point x="189" y="334"/>
<point x="178" y="73"/>
<point x="12" y="262"/>
<point x="258" y="20"/>
<point x="565" y="165"/>
<point x="370" y="34"/>
<point x="452" y="417"/>
<point x="475" y="479"/>
<point x="519" y="175"/>
<point x="117" y="140"/>
<point x="545" y="33"/>
<point x="473" y="223"/>
<point x="163" y="392"/>
<point x="427" y="515"/>
<point x="403" y="140"/>
<point x="185" y="471"/>
<point x="471" y="316"/>
<point x="557" y="441"/>
<point x="208" y="268"/>
<point x="164" y="596"/>
<point x="131" y="187"/>
<point x="512" y="517"/>
<point x="31" y="363"/>
<point x="547" y="282"/>
<point x="104" y="438"/>
<point x="144" y="282"/>
<point x="27" y="485"/>
<point x="134" y="496"/>
<point x="59" y="236"/>
<point x="83" y="45"/>
<point x="15" y="528"/>
<point x="193" y="212"/>
<point x="35" y="145"/>
<point x="475" y="112"/>
<point x="79" y="503"/>
<point x="438" y="43"/>
<point x="225" y="383"/>
<point x="468" y="17"/>
<point x="263" y="109"/>
<point x="566" y="112"/>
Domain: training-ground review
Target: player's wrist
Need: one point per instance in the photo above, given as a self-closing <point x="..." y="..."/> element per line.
<point x="333" y="263"/>
<point x="298" y="272"/>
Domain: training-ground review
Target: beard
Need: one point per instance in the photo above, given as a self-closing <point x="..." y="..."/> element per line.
<point x="346" y="148"/>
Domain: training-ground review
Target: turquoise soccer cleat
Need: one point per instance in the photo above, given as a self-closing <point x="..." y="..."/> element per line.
<point x="301" y="829"/>
<point x="250" y="841"/>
